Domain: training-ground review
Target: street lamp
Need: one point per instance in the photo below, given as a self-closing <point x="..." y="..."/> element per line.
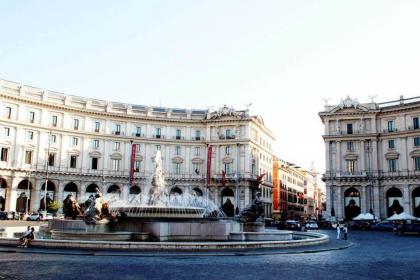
<point x="46" y="174"/>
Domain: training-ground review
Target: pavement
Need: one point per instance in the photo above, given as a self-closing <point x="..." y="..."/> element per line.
<point x="367" y="255"/>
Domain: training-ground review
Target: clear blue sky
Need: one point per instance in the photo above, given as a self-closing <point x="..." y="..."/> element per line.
<point x="283" y="56"/>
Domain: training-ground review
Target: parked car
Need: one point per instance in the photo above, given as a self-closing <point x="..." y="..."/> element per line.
<point x="311" y="225"/>
<point x="360" y="225"/>
<point x="324" y="224"/>
<point x="4" y="216"/>
<point x="413" y="227"/>
<point x="47" y="217"/>
<point x="34" y="217"/>
<point x="383" y="226"/>
<point x="292" y="225"/>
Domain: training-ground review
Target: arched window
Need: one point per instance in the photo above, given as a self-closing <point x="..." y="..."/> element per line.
<point x="351" y="203"/>
<point x="91" y="188"/>
<point x="23" y="202"/>
<point x="228" y="200"/>
<point x="135" y="190"/>
<point x="197" y="192"/>
<point x="114" y="189"/>
<point x="394" y="201"/>
<point x="416" y="202"/>
<point x="3" y="190"/>
<point x="70" y="188"/>
<point x="175" y="191"/>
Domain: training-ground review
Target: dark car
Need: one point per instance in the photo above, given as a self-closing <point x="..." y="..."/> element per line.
<point x="407" y="228"/>
<point x="383" y="226"/>
<point x="292" y="225"/>
<point x="324" y="224"/>
<point x="3" y="216"/>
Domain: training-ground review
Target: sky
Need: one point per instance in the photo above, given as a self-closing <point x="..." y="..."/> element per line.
<point x="284" y="57"/>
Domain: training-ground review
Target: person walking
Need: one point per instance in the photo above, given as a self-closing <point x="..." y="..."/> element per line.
<point x="338" y="231"/>
<point x="345" y="231"/>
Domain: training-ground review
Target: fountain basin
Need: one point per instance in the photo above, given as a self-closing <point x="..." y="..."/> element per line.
<point x="173" y="212"/>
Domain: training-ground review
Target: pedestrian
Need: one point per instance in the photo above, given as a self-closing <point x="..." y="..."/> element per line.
<point x="22" y="239"/>
<point x="345" y="231"/>
<point x="28" y="237"/>
<point x="338" y="231"/>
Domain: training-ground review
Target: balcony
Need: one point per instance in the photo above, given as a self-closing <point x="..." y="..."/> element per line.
<point x="227" y="137"/>
<point x="138" y="134"/>
<point x="389" y="130"/>
<point x="118" y="133"/>
<point x="159" y="136"/>
<point x="197" y="138"/>
<point x="178" y="137"/>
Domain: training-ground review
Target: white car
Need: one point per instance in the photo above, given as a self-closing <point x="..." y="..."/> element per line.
<point x="311" y="225"/>
<point x="34" y="217"/>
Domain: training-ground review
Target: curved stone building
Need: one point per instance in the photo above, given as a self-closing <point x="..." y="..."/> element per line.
<point x="372" y="157"/>
<point x="87" y="144"/>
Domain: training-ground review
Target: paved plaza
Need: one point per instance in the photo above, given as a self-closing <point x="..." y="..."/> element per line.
<point x="372" y="255"/>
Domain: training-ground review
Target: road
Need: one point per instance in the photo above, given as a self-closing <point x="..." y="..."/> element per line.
<point x="374" y="255"/>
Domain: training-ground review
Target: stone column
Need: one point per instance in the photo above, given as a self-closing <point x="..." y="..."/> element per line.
<point x="376" y="203"/>
<point x="339" y="202"/>
<point x="362" y="156"/>
<point x="247" y="196"/>
<point x="407" y="200"/>
<point x="364" y="200"/>
<point x="338" y="156"/>
<point x="37" y="194"/>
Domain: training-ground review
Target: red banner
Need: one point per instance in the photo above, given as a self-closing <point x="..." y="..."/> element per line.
<point x="133" y="158"/>
<point x="223" y="178"/>
<point x="209" y="152"/>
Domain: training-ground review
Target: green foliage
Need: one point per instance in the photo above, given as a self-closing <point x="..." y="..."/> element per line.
<point x="54" y="206"/>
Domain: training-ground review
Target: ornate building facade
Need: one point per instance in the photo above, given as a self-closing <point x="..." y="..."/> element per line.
<point x="82" y="144"/>
<point x="372" y="156"/>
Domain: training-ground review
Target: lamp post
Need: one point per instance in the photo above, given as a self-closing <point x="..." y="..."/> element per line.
<point x="29" y="193"/>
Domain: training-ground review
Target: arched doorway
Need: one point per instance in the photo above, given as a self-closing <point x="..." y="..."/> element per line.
<point x="24" y="193"/>
<point x="3" y="193"/>
<point x="394" y="201"/>
<point x="114" y="192"/>
<point x="228" y="198"/>
<point x="134" y="195"/>
<point x="351" y="203"/>
<point x="197" y="195"/>
<point x="175" y="196"/>
<point x="71" y="188"/>
<point x="416" y="202"/>
<point x="197" y="192"/>
<point x="50" y="195"/>
<point x="91" y="189"/>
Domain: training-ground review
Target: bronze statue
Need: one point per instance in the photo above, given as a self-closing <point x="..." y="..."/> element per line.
<point x="254" y="212"/>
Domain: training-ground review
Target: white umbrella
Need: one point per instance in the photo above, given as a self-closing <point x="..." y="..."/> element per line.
<point x="369" y="216"/>
<point x="394" y="217"/>
<point x="364" y="217"/>
<point x="405" y="216"/>
<point x="359" y="217"/>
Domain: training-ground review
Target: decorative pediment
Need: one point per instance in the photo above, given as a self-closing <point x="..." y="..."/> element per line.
<point x="6" y="143"/>
<point x="392" y="155"/>
<point x="177" y="160"/>
<point x="73" y="152"/>
<point x="415" y="153"/>
<point x="95" y="154"/>
<point x="153" y="158"/>
<point x="116" y="156"/>
<point x="350" y="156"/>
<point x="139" y="157"/>
<point x="197" y="160"/>
<point x="350" y="106"/>
<point x="226" y="111"/>
<point x="227" y="160"/>
<point x="29" y="147"/>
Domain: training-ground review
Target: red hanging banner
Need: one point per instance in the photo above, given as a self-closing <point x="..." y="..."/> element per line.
<point x="209" y="152"/>
<point x="133" y="158"/>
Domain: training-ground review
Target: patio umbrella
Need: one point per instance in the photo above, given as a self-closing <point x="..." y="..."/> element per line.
<point x="405" y="216"/>
<point x="394" y="217"/>
<point x="359" y="217"/>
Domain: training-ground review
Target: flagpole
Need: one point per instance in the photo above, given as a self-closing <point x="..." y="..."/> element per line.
<point x="46" y="173"/>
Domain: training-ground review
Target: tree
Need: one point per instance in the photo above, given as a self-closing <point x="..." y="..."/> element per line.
<point x="54" y="206"/>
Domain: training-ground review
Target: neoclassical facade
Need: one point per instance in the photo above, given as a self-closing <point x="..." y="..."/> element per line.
<point x="82" y="144"/>
<point x="372" y="156"/>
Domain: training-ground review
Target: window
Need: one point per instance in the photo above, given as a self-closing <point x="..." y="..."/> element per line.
<point x="138" y="148"/>
<point x="178" y="134"/>
<point x="349" y="128"/>
<point x="158" y="147"/>
<point x="76" y="124"/>
<point x="416" y="123"/>
<point x="416" y="141"/>
<point x="51" y="159"/>
<point x="228" y="133"/>
<point x="137" y="166"/>
<point x="158" y="131"/>
<point x="28" y="157"/>
<point x="177" y="168"/>
<point x="97" y="126"/>
<point x="351" y="166"/>
<point x="115" y="165"/>
<point x="8" y="112"/>
<point x="177" y="150"/>
<point x="392" y="165"/>
<point x="197" y="151"/>
<point x="54" y="120"/>
<point x="94" y="163"/>
<point x="117" y="129"/>
<point x="197" y="168"/>
<point x="4" y="154"/>
<point x="116" y="146"/>
<point x="227" y="150"/>
<point x="6" y="131"/>
<point x="391" y="144"/>
<point x="417" y="163"/>
<point x="53" y="138"/>
<point x="391" y="126"/>
<point x="197" y="135"/>
<point x="95" y="144"/>
<point x="138" y="131"/>
<point x="31" y="117"/>
<point x="350" y="146"/>
<point x="75" y="141"/>
<point x="30" y="135"/>
<point x="228" y="168"/>
<point x="73" y="161"/>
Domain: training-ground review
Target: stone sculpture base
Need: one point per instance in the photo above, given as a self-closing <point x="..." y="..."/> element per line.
<point x="254" y="227"/>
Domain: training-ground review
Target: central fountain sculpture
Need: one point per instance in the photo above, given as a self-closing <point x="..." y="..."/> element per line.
<point x="158" y="193"/>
